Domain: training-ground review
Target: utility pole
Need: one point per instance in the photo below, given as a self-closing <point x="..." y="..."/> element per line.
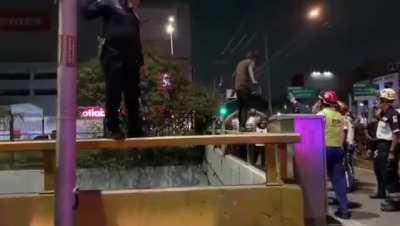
<point x="66" y="113"/>
<point x="268" y="74"/>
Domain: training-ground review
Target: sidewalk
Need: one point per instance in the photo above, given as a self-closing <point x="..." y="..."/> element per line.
<point x="369" y="214"/>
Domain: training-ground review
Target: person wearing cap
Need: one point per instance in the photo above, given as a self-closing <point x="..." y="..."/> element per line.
<point x="334" y="140"/>
<point x="386" y="158"/>
<point x="244" y="79"/>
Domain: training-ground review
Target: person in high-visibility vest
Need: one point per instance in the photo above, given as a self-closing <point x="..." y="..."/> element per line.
<point x="334" y="140"/>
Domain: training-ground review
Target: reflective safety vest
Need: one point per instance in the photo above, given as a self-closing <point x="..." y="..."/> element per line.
<point x="334" y="127"/>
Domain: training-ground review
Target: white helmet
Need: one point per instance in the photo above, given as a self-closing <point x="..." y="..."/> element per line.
<point x="388" y="94"/>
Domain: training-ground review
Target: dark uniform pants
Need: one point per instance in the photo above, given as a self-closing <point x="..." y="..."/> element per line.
<point x="335" y="170"/>
<point x="122" y="77"/>
<point x="380" y="164"/>
<point x="387" y="172"/>
<point x="392" y="180"/>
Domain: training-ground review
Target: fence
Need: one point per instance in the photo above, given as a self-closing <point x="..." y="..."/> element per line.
<point x="31" y="128"/>
<point x="274" y="171"/>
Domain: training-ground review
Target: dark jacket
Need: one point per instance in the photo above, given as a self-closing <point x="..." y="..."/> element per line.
<point x="121" y="27"/>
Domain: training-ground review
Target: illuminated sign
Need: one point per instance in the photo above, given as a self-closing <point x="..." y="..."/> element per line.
<point x="24" y="21"/>
<point x="91" y="112"/>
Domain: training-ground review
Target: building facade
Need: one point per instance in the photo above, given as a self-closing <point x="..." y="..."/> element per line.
<point x="28" y="37"/>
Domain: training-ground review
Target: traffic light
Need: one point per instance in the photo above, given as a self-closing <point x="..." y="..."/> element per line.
<point x="223" y="111"/>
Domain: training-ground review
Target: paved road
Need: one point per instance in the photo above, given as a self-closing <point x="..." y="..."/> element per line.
<point x="369" y="213"/>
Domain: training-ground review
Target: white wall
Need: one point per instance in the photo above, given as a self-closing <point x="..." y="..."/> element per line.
<point x="228" y="170"/>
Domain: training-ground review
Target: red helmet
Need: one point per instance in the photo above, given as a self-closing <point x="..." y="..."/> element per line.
<point x="329" y="98"/>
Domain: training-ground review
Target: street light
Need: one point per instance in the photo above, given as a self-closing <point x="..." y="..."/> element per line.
<point x="326" y="75"/>
<point x="170" y="29"/>
<point x="315" y="13"/>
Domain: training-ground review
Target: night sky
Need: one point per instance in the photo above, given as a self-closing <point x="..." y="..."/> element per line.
<point x="353" y="33"/>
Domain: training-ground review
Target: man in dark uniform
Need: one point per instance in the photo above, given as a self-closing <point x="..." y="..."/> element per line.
<point x="121" y="59"/>
<point x="386" y="158"/>
<point x="244" y="79"/>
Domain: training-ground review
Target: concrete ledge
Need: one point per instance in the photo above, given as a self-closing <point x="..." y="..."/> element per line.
<point x="229" y="170"/>
<point x="21" y="181"/>
<point x="32" y="181"/>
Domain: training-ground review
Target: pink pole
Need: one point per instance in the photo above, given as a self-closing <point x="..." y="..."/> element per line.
<point x="66" y="113"/>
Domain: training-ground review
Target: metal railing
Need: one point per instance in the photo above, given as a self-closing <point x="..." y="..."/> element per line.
<point x="275" y="149"/>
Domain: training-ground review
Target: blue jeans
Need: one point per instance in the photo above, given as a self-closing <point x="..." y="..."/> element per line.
<point x="334" y="164"/>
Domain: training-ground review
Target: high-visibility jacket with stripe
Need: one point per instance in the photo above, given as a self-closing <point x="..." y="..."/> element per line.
<point x="334" y="127"/>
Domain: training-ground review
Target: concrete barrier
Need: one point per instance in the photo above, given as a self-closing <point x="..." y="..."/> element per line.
<point x="228" y="170"/>
<point x="32" y="181"/>
<point x="208" y="206"/>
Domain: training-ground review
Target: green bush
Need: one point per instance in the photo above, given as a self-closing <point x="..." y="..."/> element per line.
<point x="185" y="97"/>
<point x="122" y="159"/>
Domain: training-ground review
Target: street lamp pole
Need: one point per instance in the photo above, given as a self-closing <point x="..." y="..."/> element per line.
<point x="268" y="74"/>
<point x="170" y="30"/>
<point x="66" y="114"/>
<point x="171" y="34"/>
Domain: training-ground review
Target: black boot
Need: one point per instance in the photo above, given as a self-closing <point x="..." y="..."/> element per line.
<point x="344" y="216"/>
<point x="378" y="195"/>
<point x="390" y="206"/>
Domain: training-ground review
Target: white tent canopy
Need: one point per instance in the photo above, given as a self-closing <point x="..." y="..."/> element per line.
<point x="25" y="110"/>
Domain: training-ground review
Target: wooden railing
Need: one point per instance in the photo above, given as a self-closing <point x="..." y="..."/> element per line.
<point x="275" y="148"/>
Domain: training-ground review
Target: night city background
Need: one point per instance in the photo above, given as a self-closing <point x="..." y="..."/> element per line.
<point x="159" y="128"/>
<point x="352" y="39"/>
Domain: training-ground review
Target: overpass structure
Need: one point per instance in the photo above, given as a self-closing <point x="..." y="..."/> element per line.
<point x="288" y="193"/>
<point x="284" y="199"/>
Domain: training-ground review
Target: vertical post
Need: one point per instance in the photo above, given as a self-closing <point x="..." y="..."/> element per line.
<point x="283" y="157"/>
<point x="350" y="99"/>
<point x="268" y="74"/>
<point x="172" y="43"/>
<point x="49" y="160"/>
<point x="43" y="129"/>
<point x="11" y="127"/>
<point x="272" y="165"/>
<point x="309" y="162"/>
<point x="12" y="161"/>
<point x="310" y="167"/>
<point x="66" y="113"/>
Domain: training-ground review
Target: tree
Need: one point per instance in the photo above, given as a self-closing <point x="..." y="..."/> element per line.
<point x="91" y="91"/>
<point x="160" y="106"/>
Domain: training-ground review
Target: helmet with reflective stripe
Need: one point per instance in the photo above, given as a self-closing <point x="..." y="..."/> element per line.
<point x="388" y="94"/>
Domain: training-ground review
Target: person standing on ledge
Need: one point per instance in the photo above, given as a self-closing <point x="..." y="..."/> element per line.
<point x="244" y="79"/>
<point x="121" y="60"/>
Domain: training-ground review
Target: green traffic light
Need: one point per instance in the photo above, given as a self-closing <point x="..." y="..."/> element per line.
<point x="223" y="111"/>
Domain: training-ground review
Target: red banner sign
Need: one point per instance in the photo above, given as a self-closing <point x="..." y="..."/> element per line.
<point x="24" y="21"/>
<point x="91" y="112"/>
<point x="68" y="50"/>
